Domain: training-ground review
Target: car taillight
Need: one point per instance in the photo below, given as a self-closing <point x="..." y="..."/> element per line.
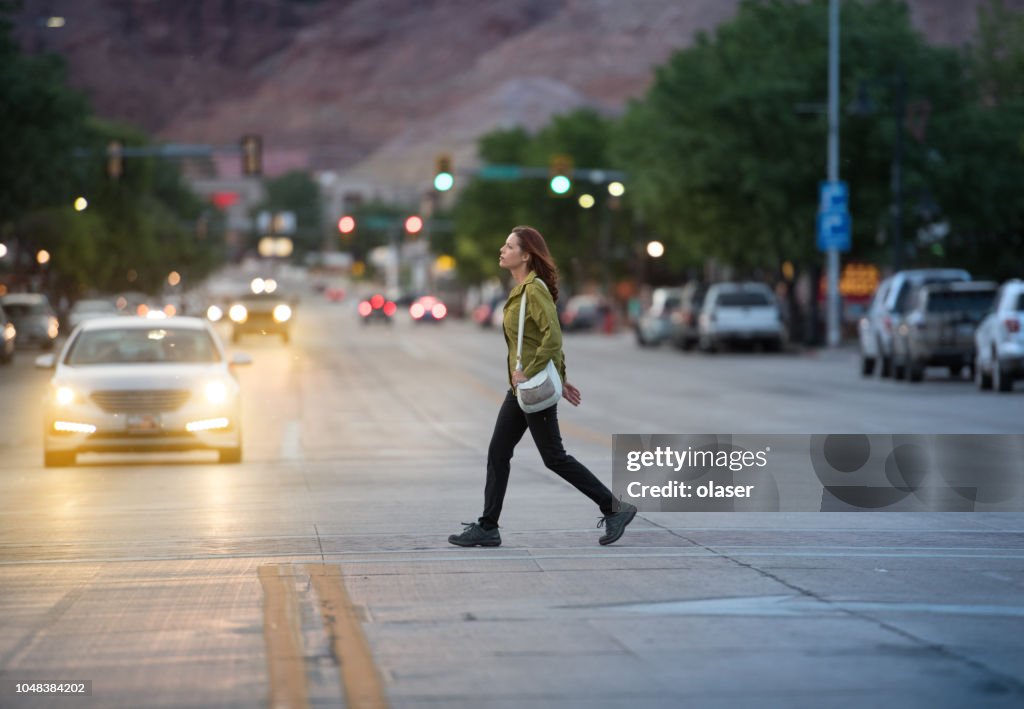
<point x="365" y="308"/>
<point x="1012" y="325"/>
<point x="390" y="308"/>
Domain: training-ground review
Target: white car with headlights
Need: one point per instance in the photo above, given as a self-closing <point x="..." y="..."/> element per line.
<point x="263" y="310"/>
<point x="131" y="384"/>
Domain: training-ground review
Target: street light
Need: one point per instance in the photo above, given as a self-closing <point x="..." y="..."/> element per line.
<point x="80" y="204"/>
<point x="655" y="249"/>
<point x="586" y="201"/>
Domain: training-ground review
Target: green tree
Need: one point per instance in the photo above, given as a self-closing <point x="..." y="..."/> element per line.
<point x="726" y="150"/>
<point x="581" y="241"/>
<point x="42" y="122"/>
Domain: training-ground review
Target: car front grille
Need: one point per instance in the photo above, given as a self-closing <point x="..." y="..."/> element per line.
<point x="148" y="401"/>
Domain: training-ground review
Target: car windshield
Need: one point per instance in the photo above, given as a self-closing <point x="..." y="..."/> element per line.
<point x="964" y="301"/>
<point x="17" y="310"/>
<point x="94" y="306"/>
<point x="140" y="345"/>
<point x="743" y="299"/>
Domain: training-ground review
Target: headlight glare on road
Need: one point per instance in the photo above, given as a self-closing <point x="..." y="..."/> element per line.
<point x="207" y="424"/>
<point x="282" y="313"/>
<point x="216" y="392"/>
<point x="238" y="313"/>
<point x="64" y="395"/>
<point x="72" y="427"/>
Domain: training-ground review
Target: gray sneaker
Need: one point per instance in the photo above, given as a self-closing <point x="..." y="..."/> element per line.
<point x="615" y="524"/>
<point x="476" y="536"/>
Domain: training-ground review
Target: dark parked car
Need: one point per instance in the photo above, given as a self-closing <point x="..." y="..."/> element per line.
<point x="938" y="330"/>
<point x="8" y="335"/>
<point x="34" y="319"/>
<point x="684" y="320"/>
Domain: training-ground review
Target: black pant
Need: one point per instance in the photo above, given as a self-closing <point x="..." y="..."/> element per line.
<point x="508" y="431"/>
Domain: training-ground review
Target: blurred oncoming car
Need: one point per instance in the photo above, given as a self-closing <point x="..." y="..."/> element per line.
<point x="129" y="384"/>
<point x="266" y="312"/>
<point x="34" y="319"/>
<point x="428" y="309"/>
<point x="89" y="309"/>
<point x="8" y="335"/>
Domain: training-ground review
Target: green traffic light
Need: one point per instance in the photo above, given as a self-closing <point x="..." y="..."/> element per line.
<point x="443" y="181"/>
<point x="560" y="184"/>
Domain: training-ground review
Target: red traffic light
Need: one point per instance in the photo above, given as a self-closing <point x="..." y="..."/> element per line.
<point x="347" y="224"/>
<point x="413" y="225"/>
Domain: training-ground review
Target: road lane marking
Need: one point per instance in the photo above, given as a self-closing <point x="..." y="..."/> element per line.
<point x="360" y="677"/>
<point x="282" y="633"/>
<point x="291" y="441"/>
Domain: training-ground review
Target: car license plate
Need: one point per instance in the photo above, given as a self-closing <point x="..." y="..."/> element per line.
<point x="144" y="423"/>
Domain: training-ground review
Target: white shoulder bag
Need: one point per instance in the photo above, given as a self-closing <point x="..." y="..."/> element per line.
<point x="543" y="390"/>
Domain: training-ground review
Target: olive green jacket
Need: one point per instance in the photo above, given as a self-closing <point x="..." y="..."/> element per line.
<point x="542" y="335"/>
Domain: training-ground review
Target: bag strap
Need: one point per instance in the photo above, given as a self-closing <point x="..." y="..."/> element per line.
<point x="522" y="323"/>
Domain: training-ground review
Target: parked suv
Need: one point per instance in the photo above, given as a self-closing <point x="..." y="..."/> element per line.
<point x="892" y="300"/>
<point x="938" y="330"/>
<point x="999" y="340"/>
<point x="652" y="328"/>
<point x="736" y="313"/>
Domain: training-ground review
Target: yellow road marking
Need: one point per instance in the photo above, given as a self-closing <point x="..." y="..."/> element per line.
<point x="360" y="678"/>
<point x="282" y="633"/>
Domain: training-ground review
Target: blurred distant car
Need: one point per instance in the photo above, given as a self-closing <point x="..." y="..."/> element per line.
<point x="130" y="384"/>
<point x="428" y="309"/>
<point x="89" y="308"/>
<point x="377" y="308"/>
<point x="999" y="340"/>
<point x="8" y="336"/>
<point x="938" y="329"/>
<point x="34" y="319"/>
<point x="483" y="314"/>
<point x="683" y="321"/>
<point x="655" y="325"/>
<point x="891" y="301"/>
<point x="584" y="312"/>
<point x="740" y="313"/>
<point x="261" y="313"/>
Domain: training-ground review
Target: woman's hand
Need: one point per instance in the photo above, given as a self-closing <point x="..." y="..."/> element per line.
<point x="571" y="394"/>
<point x="518" y="377"/>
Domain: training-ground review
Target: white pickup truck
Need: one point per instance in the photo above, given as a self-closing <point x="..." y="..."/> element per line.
<point x="740" y="313"/>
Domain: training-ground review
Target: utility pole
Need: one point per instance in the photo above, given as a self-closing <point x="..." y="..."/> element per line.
<point x="833" y="165"/>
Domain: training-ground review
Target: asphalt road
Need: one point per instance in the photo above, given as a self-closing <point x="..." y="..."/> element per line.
<point x="317" y="571"/>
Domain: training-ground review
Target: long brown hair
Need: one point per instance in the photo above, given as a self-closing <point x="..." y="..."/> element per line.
<point x="531" y="242"/>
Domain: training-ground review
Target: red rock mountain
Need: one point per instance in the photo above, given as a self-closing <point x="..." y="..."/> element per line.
<point x="377" y="85"/>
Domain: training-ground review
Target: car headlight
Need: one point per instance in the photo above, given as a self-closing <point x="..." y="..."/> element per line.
<point x="214" y="313"/>
<point x="64" y="395"/>
<point x="9" y="331"/>
<point x="216" y="392"/>
<point x="238" y="313"/>
<point x="52" y="328"/>
<point x="282" y="313"/>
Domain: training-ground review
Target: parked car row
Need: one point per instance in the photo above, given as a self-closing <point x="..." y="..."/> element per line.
<point x="942" y="318"/>
<point x="719" y="316"/>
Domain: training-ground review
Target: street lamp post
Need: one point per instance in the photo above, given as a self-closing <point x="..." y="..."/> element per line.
<point x="833" y="165"/>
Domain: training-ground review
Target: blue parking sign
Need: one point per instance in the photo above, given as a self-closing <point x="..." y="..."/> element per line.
<point x="834" y="231"/>
<point x="833" y="196"/>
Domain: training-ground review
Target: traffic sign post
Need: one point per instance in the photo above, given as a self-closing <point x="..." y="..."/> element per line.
<point x="834" y="231"/>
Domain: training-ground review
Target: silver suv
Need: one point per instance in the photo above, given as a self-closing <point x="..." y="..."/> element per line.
<point x="999" y="340"/>
<point x="888" y="308"/>
<point x="938" y="331"/>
